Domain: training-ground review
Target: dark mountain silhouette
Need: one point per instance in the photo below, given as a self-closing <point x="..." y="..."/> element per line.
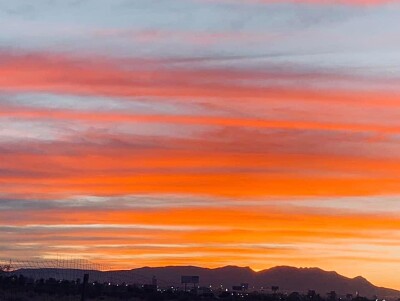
<point x="289" y="279"/>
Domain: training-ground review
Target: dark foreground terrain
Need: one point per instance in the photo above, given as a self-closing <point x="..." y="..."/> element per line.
<point x="20" y="288"/>
<point x="229" y="283"/>
<point x="287" y="279"/>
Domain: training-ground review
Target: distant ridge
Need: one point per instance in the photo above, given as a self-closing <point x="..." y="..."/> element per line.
<point x="289" y="279"/>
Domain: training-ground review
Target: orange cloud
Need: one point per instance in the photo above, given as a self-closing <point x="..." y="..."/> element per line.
<point x="221" y="121"/>
<point x="91" y="76"/>
<point x="222" y="135"/>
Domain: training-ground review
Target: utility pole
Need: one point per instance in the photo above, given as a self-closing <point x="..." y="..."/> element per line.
<point x="84" y="286"/>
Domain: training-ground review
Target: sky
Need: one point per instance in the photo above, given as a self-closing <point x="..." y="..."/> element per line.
<point x="204" y="132"/>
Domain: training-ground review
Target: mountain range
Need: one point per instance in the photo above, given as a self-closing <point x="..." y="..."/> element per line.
<point x="288" y="279"/>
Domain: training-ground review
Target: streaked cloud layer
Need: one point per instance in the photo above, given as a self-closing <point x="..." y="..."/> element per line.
<point x="216" y="132"/>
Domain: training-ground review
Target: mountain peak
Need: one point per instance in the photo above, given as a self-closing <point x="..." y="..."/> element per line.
<point x="361" y="279"/>
<point x="234" y="267"/>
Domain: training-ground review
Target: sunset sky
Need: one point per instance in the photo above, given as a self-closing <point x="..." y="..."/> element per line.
<point x="205" y="132"/>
